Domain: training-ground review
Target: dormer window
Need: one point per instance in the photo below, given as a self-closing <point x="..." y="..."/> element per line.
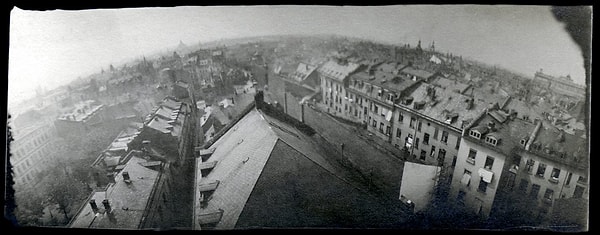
<point x="523" y="141"/>
<point x="475" y="134"/>
<point x="491" y="140"/>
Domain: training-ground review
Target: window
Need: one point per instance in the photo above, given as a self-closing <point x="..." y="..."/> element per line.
<point x="582" y="179"/>
<point x="423" y="154"/>
<point x="489" y="162"/>
<point x="535" y="190"/>
<point x="548" y="195"/>
<point x="491" y="140"/>
<point x="541" y="170"/>
<point x="376" y="108"/>
<point x="554" y="175"/>
<point x="381" y="127"/>
<point x="417" y="144"/>
<point x="444" y="137"/>
<point x="482" y="186"/>
<point x="425" y="138"/>
<point x="388" y="130"/>
<point x="442" y="154"/>
<point x="460" y="199"/>
<point x="374" y="123"/>
<point x="529" y="165"/>
<point x="471" y="157"/>
<point x="419" y="126"/>
<point x="569" y="176"/>
<point x="432" y="151"/>
<point x="466" y="179"/>
<point x="412" y="123"/>
<point x="457" y="143"/>
<point x="400" y="117"/>
<point x="578" y="192"/>
<point x="475" y="134"/>
<point x="435" y="134"/>
<point x="398" y="133"/>
<point x="454" y="161"/>
<point x="409" y="141"/>
<point x="365" y="111"/>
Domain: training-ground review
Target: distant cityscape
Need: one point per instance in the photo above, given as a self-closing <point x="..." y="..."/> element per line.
<point x="301" y="131"/>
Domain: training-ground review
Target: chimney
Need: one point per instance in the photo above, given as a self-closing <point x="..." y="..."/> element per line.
<point x="94" y="206"/>
<point x="491" y="126"/>
<point x="106" y="205"/>
<point x="126" y="177"/>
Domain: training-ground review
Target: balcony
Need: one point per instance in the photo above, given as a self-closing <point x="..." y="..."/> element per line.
<point x="553" y="180"/>
<point x="547" y="201"/>
<point x="471" y="161"/>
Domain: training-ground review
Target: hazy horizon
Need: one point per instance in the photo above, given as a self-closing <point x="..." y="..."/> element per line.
<point x="51" y="48"/>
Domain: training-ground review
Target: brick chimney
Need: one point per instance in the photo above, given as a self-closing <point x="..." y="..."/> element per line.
<point x="94" y="205"/>
<point x="106" y="205"/>
<point x="126" y="177"/>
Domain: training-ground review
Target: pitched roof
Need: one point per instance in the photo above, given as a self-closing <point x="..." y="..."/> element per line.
<point x="385" y="80"/>
<point x="446" y="104"/>
<point x="127" y="200"/>
<point x="253" y="156"/>
<point x="303" y="71"/>
<point x="509" y="133"/>
<point x="337" y="71"/>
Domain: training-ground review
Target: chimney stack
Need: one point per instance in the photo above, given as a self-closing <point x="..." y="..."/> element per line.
<point x="106" y="205"/>
<point x="94" y="206"/>
<point x="126" y="177"/>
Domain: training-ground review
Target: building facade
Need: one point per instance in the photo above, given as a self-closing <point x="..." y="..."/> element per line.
<point x="32" y="151"/>
<point x="334" y="76"/>
<point x="561" y="85"/>
<point x="506" y="163"/>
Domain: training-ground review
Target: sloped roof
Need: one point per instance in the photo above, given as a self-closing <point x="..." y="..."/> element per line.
<point x="447" y="102"/>
<point x="259" y="153"/>
<point x="337" y="71"/>
<point x="128" y="200"/>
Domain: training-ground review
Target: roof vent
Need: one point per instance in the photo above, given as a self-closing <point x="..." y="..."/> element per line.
<point x="419" y="105"/>
<point x="126" y="177"/>
<point x="106" y="205"/>
<point x="94" y="205"/>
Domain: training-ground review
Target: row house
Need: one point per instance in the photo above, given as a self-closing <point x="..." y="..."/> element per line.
<point x="79" y="120"/>
<point x="139" y="197"/>
<point x="507" y="162"/>
<point x="372" y="96"/>
<point x="32" y="151"/>
<point x="334" y="77"/>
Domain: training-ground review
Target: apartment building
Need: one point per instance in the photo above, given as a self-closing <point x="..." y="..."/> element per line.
<point x="504" y="160"/>
<point x="334" y="76"/>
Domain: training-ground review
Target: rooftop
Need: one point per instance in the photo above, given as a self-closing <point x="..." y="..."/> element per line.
<point x="449" y="107"/>
<point x="303" y="71"/>
<point x="168" y="117"/>
<point x="416" y="72"/>
<point x="127" y="200"/>
<point x="452" y="85"/>
<point x="82" y="111"/>
<point x="384" y="80"/>
<point x="337" y="71"/>
<point x="267" y="175"/>
<point x="508" y="133"/>
<point x="562" y="147"/>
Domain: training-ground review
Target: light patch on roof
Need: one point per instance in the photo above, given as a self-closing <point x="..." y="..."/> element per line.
<point x="337" y="71"/>
<point x="128" y="200"/>
<point x="242" y="155"/>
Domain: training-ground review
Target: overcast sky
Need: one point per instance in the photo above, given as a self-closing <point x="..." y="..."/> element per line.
<point x="48" y="48"/>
